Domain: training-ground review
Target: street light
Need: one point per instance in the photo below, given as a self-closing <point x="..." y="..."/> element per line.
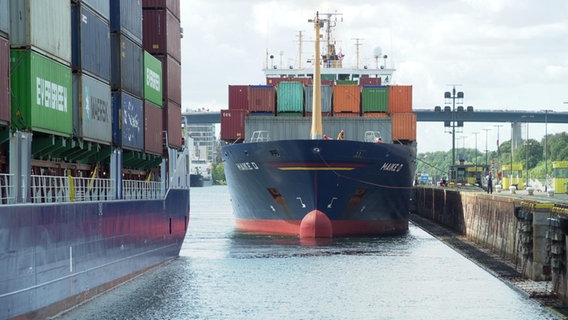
<point x="527" y="149"/>
<point x="499" y="151"/>
<point x="486" y="151"/>
<point x="453" y="96"/>
<point x="475" y="133"/>
<point x="546" y="149"/>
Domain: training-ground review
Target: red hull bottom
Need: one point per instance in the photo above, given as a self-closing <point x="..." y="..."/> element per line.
<point x="340" y="228"/>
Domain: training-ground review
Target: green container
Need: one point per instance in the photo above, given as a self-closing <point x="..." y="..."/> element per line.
<point x="375" y="99"/>
<point x="330" y="77"/>
<point x="42" y="93"/>
<point x="348" y="82"/>
<point x="152" y="79"/>
<point x="290" y="97"/>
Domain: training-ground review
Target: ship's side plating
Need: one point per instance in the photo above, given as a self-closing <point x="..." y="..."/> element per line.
<point x="364" y="188"/>
<point x="57" y="255"/>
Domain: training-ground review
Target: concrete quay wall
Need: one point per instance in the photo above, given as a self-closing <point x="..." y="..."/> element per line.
<point x="528" y="231"/>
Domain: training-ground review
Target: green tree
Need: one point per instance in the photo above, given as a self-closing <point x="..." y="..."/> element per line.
<point x="218" y="174"/>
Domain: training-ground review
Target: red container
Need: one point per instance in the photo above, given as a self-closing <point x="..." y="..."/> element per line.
<point x="152" y="128"/>
<point x="238" y="97"/>
<point x="367" y="81"/>
<point x="400" y="99"/>
<point x="275" y="81"/>
<point x="172" y="123"/>
<point x="5" y="111"/>
<point x="171" y="75"/>
<point x="261" y="99"/>
<point x="172" y="5"/>
<point x="233" y="124"/>
<point x="403" y="126"/>
<point x="161" y="33"/>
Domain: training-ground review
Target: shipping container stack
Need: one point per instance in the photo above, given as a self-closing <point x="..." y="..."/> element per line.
<point x="400" y="110"/>
<point x="40" y="59"/>
<point x="90" y="62"/>
<point x="5" y="113"/>
<point x="339" y="99"/>
<point x="233" y="119"/>
<point x="162" y="39"/>
<point x="127" y="80"/>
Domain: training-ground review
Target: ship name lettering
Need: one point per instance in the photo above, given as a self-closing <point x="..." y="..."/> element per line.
<point x="392" y="167"/>
<point x="51" y="95"/>
<point x="153" y="79"/>
<point x="246" y="166"/>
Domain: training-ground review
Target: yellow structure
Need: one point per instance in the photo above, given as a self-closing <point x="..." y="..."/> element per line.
<point x="468" y="174"/>
<point x="512" y="177"/>
<point x="560" y="174"/>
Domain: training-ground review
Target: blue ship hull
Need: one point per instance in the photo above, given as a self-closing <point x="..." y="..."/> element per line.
<point x="363" y="188"/>
<point x="54" y="256"/>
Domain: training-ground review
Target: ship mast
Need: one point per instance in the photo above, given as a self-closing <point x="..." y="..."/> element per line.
<point x="316" y="132"/>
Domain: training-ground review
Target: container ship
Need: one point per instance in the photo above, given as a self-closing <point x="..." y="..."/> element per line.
<point x="94" y="173"/>
<point x="323" y="151"/>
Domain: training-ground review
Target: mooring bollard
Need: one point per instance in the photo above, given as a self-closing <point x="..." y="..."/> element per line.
<point x="513" y="189"/>
<point x="550" y="192"/>
<point x="530" y="191"/>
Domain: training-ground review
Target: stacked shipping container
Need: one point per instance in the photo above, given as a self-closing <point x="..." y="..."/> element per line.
<point x="162" y="34"/>
<point x="344" y="99"/>
<point x="75" y="69"/>
<point x="153" y="104"/>
<point x="4" y="80"/>
<point x="40" y="38"/>
<point x="90" y="52"/>
<point x="126" y="74"/>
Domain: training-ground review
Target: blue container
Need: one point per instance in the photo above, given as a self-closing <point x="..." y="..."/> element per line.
<point x="126" y="65"/>
<point x="90" y="43"/>
<point x="126" y="17"/>
<point x="4" y="17"/>
<point x="127" y="121"/>
<point x="101" y="7"/>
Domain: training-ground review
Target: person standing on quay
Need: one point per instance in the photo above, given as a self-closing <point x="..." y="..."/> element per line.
<point x="489" y="183"/>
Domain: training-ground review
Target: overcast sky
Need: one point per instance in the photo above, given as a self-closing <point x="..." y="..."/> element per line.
<point x="504" y="54"/>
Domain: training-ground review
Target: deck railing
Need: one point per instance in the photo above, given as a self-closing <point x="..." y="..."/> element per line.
<point x="47" y="189"/>
<point x="7" y="191"/>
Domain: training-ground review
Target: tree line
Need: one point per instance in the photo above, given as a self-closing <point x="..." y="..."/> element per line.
<point x="530" y="154"/>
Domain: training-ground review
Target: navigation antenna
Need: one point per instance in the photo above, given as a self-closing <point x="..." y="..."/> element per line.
<point x="300" y="39"/>
<point x="357" y="47"/>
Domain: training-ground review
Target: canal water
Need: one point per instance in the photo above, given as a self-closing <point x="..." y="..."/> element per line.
<point x="222" y="274"/>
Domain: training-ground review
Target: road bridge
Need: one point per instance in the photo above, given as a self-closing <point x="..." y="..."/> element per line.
<point x="430" y="115"/>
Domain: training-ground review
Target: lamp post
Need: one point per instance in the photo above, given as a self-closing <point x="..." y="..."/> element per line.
<point x="498" y="150"/>
<point x="486" y="151"/>
<point x="527" y="150"/>
<point x="546" y="150"/>
<point x="453" y="96"/>
<point x="475" y="133"/>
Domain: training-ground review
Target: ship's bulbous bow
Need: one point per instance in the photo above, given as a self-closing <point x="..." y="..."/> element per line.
<point x="316" y="224"/>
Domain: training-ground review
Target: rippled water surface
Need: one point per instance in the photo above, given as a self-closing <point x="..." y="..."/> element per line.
<point x="222" y="274"/>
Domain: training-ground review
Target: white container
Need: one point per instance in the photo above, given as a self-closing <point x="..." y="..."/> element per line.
<point x="44" y="25"/>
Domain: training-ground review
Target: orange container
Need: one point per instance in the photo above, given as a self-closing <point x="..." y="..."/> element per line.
<point x="403" y="126"/>
<point x="347" y="98"/>
<point x="400" y="99"/>
<point x="375" y="115"/>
